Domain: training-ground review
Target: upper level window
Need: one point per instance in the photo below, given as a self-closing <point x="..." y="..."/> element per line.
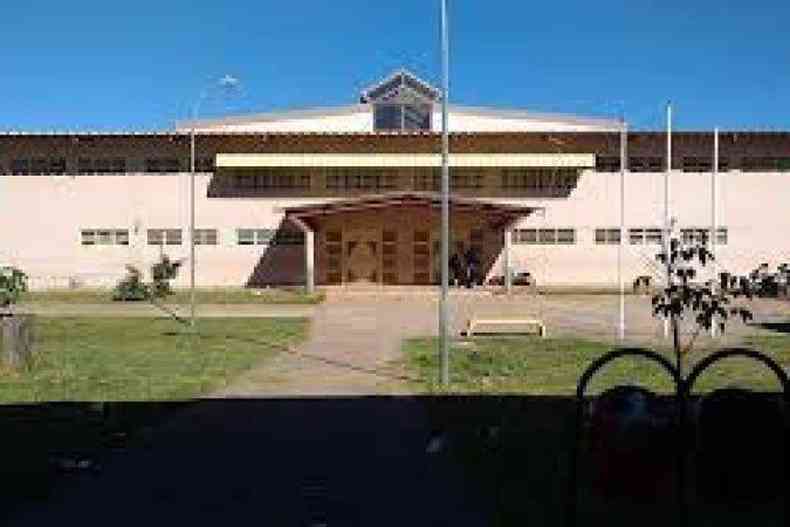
<point x="399" y="117"/>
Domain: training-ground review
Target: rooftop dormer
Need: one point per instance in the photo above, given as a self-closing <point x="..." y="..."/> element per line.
<point x="401" y="102"/>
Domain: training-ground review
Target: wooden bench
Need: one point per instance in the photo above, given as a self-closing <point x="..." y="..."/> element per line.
<point x="505" y="326"/>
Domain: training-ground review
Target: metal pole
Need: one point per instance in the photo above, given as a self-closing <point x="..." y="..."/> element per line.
<point x="192" y="226"/>
<point x="623" y="158"/>
<point x="445" y="235"/>
<point x="667" y="225"/>
<point x="713" y="177"/>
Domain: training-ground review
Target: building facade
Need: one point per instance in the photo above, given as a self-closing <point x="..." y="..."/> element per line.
<point x="350" y="196"/>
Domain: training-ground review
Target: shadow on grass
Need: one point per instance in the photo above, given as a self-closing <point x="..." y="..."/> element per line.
<point x="779" y="327"/>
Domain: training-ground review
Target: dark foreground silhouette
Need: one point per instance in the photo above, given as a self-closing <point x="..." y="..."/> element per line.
<point x="308" y="462"/>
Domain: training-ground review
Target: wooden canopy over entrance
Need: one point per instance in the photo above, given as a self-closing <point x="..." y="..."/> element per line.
<point x="395" y="238"/>
<point x="497" y="214"/>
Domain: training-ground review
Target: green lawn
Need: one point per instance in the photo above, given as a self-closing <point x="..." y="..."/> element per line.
<point x="235" y="295"/>
<point x="530" y="365"/>
<point x="121" y="359"/>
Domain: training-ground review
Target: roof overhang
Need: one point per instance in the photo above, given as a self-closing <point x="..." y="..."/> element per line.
<point x="498" y="213"/>
<point x="374" y="160"/>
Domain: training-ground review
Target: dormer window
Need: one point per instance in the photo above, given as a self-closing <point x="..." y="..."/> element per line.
<point x="401" y="102"/>
<point x="399" y="117"/>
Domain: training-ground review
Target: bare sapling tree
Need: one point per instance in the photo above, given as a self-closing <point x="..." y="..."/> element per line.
<point x="685" y="297"/>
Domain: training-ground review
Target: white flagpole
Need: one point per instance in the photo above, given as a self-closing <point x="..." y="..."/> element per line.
<point x="444" y="344"/>
<point x="623" y="158"/>
<point x="713" y="178"/>
<point x="667" y="219"/>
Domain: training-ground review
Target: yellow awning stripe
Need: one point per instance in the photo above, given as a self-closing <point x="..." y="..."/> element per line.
<point x="403" y="160"/>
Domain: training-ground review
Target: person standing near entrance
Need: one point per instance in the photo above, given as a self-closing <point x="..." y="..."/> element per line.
<point x="455" y="269"/>
<point x="472" y="265"/>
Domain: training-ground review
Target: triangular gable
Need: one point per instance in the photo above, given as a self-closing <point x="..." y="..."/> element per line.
<point x="401" y="87"/>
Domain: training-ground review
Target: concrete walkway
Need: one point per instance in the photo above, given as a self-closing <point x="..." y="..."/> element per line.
<point x="356" y="339"/>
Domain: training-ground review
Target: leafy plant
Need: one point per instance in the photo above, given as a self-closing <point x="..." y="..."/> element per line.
<point x="132" y="287"/>
<point x="769" y="284"/>
<point x="13" y="282"/>
<point x="684" y="297"/>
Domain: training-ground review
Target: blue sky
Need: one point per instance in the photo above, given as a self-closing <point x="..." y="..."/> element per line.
<point x="140" y="65"/>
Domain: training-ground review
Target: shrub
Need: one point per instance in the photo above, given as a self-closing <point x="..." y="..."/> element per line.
<point x="13" y="282"/>
<point x="132" y="287"/>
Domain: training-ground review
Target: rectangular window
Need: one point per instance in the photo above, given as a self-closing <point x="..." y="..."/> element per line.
<point x="607" y="164"/>
<point x="702" y="235"/>
<point x="206" y="237"/>
<point x="641" y="236"/>
<point x="721" y="236"/>
<point x="164" y="236"/>
<point x="646" y="164"/>
<point x="417" y="116"/>
<point x="689" y="236"/>
<point x="653" y="236"/>
<point x="156" y="237"/>
<point x="547" y="236"/>
<point x="122" y="236"/>
<point x="388" y="117"/>
<point x="566" y="236"/>
<point x="636" y="236"/>
<point x="173" y="237"/>
<point x="610" y="236"/>
<point x="254" y="236"/>
<point x="697" y="164"/>
<point x="88" y="237"/>
<point x="288" y="238"/>
<point x="245" y="236"/>
<point x="104" y="237"/>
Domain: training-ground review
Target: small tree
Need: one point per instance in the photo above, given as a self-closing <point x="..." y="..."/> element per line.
<point x="13" y="282"/>
<point x="683" y="297"/>
<point x="132" y="287"/>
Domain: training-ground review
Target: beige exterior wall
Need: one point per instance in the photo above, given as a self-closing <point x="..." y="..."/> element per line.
<point x="752" y="206"/>
<point x="45" y="214"/>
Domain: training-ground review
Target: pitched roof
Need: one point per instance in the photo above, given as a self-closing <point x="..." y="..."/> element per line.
<point x="399" y="80"/>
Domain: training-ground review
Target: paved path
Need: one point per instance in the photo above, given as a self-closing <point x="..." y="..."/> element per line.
<point x="355" y="339"/>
